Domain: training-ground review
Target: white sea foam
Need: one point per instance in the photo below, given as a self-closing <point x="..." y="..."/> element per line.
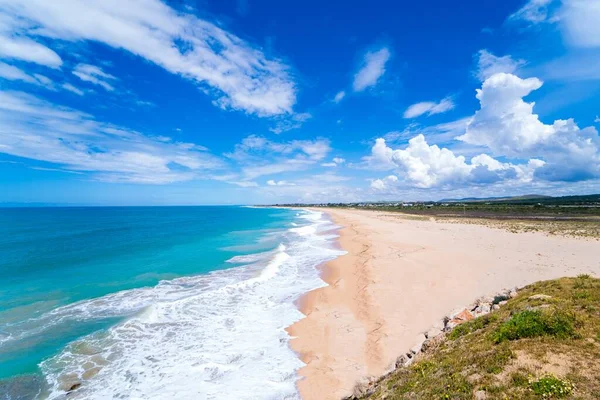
<point x="217" y="336"/>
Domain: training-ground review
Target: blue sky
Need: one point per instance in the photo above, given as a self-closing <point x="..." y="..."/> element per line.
<point x="244" y="102"/>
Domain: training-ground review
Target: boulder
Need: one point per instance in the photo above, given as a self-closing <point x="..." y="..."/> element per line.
<point x="457" y="319"/>
<point x="483" y="308"/>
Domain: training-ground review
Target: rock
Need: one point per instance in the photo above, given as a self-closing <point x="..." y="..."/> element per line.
<point x="90" y="373"/>
<point x="483" y="308"/>
<point x="500" y="297"/>
<point x="363" y="388"/>
<point x="480" y="395"/>
<point x="451" y="324"/>
<point x="69" y="382"/>
<point x="74" y="386"/>
<point x="409" y="361"/>
<point x="464" y="315"/>
<point x="495" y="307"/>
<point x="502" y="303"/>
<point x="433" y="332"/>
<point x="401" y="361"/>
<point x="540" y="297"/>
<point x="417" y="347"/>
<point x="459" y="318"/>
<point x="512" y="293"/>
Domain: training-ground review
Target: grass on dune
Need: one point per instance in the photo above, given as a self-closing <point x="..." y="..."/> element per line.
<point x="544" y="347"/>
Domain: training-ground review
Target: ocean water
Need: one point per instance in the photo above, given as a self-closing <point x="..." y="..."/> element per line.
<point x="154" y="302"/>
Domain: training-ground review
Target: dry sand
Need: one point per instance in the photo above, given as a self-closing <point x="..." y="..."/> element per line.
<point x="401" y="276"/>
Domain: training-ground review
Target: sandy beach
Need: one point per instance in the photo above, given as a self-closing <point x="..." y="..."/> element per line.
<point x="401" y="275"/>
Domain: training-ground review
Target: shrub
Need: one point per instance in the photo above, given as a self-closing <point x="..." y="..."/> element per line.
<point x="550" y="386"/>
<point x="471" y="326"/>
<point x="535" y="323"/>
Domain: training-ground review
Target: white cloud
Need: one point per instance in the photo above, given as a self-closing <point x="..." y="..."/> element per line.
<point x="578" y="19"/>
<point x="75" y="141"/>
<point x="73" y="89"/>
<point x="580" y="22"/>
<point x="507" y="125"/>
<point x="597" y="119"/>
<point x="240" y="76"/>
<point x="425" y="166"/>
<point x="260" y="156"/>
<point x="429" y="108"/>
<point x="95" y="75"/>
<point x="534" y="12"/>
<point x="383" y="184"/>
<point x="334" y="162"/>
<point x="372" y="69"/>
<point x="272" y="182"/>
<point x="13" y="73"/>
<point x="339" y="96"/>
<point x="244" y="184"/>
<point x="488" y="64"/>
<point x="294" y="121"/>
<point x="25" y="49"/>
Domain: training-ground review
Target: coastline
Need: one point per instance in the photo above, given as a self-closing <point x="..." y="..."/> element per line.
<point x="400" y="276"/>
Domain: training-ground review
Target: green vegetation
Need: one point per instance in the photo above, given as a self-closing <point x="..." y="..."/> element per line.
<point x="550" y="386"/>
<point x="568" y="215"/>
<point x="542" y="344"/>
<point x="534" y="323"/>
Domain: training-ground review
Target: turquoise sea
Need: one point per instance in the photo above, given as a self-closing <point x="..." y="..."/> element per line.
<point x="154" y="302"/>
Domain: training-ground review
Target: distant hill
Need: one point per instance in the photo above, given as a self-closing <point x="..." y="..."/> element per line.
<point x="531" y="198"/>
<point x="511" y="198"/>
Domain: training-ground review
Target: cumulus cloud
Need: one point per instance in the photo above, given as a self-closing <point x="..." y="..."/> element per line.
<point x="95" y="75"/>
<point x="372" y="69"/>
<point x="35" y="129"/>
<point x="383" y="184"/>
<point x="488" y="64"/>
<point x="237" y="74"/>
<point x="339" y="96"/>
<point x="425" y="166"/>
<point x="507" y="125"/>
<point x="429" y="108"/>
